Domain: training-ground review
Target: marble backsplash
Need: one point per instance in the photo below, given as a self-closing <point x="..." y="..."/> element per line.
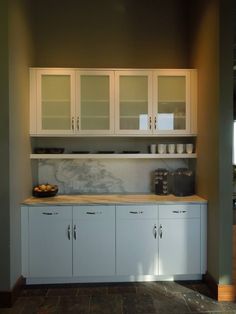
<point x="99" y="176"/>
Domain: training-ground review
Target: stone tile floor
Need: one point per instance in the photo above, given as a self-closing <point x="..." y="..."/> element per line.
<point x="121" y="298"/>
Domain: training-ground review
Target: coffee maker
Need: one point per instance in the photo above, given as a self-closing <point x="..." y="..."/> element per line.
<point x="161" y="181"/>
<point x="183" y="182"/>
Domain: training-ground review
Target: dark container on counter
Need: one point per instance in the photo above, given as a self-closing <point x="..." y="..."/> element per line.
<point x="183" y="182"/>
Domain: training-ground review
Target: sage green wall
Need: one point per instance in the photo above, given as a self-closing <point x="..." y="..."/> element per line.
<point x="4" y="151"/>
<point x="110" y="33"/>
<point x="20" y="58"/>
<point x="212" y="55"/>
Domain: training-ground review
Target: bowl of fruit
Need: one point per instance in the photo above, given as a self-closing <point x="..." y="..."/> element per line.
<point x="45" y="190"/>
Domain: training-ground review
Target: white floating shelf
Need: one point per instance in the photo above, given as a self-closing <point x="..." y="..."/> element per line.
<point x="111" y="156"/>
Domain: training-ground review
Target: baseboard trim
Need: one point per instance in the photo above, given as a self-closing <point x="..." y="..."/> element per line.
<point x="8" y="297"/>
<point x="221" y="292"/>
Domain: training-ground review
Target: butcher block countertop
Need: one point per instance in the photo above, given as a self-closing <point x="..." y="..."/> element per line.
<point x="113" y="199"/>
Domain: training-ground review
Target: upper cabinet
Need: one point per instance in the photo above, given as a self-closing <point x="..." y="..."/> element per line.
<point x="133" y="102"/>
<point x="171" y="105"/>
<point x="70" y="102"/>
<point x="95" y="102"/>
<point x="52" y="97"/>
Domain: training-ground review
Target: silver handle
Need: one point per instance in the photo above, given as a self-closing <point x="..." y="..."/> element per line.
<point x="150" y="123"/>
<point x="49" y="214"/>
<point x="160" y="232"/>
<point x="136" y="212"/>
<point x="74" y="232"/>
<point x="155" y="123"/>
<point x="94" y="213"/>
<point x="73" y="123"/>
<point x="155" y="231"/>
<point x="179" y="211"/>
<point x="68" y="232"/>
<point x="77" y="123"/>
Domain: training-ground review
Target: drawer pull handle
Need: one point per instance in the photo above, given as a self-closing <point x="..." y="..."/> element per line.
<point x="75" y="235"/>
<point x="179" y="211"/>
<point x="155" y="231"/>
<point x="136" y="212"/>
<point x="68" y="232"/>
<point x="49" y="214"/>
<point x="94" y="213"/>
<point x="160" y="232"/>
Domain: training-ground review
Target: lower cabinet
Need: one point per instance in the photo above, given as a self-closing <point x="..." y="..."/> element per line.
<point x="94" y="240"/>
<point x="179" y="240"/>
<point x="136" y="240"/>
<point x="50" y="241"/>
<point x="113" y="241"/>
<point x="65" y="241"/>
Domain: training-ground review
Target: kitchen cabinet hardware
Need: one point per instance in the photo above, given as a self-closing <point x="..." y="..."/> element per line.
<point x="74" y="232"/>
<point x="179" y="211"/>
<point x="69" y="232"/>
<point x="155" y="231"/>
<point x="49" y="214"/>
<point x="150" y="123"/>
<point x="155" y="123"/>
<point x="160" y="231"/>
<point x="94" y="213"/>
<point x="136" y="212"/>
<point x="77" y="123"/>
<point x="73" y="123"/>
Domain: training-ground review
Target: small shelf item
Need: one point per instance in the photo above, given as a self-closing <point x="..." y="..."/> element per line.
<point x="80" y="152"/>
<point x="50" y="150"/>
<point x="130" y="152"/>
<point x="106" y="152"/>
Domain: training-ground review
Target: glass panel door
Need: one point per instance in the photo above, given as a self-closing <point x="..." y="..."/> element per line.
<point x="56" y="101"/>
<point x="171" y="103"/>
<point x="95" y="103"/>
<point x="134" y="91"/>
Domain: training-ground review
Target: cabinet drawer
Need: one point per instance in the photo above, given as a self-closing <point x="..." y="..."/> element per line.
<point x="179" y="211"/>
<point x="50" y="212"/>
<point x="94" y="212"/>
<point x="136" y="212"/>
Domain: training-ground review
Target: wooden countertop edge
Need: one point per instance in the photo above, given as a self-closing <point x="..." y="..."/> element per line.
<point x="113" y="199"/>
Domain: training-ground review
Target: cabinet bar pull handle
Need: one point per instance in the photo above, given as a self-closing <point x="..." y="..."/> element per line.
<point x="155" y="231"/>
<point x="94" y="213"/>
<point x="68" y="232"/>
<point x="155" y="123"/>
<point x="49" y="214"/>
<point x="77" y="123"/>
<point x="74" y="232"/>
<point x="160" y="232"/>
<point x="179" y="211"/>
<point x="136" y="212"/>
<point x="73" y="123"/>
<point x="175" y="211"/>
<point x="150" y="123"/>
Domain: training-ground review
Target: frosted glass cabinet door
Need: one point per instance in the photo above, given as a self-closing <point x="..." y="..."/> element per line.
<point x="96" y="102"/>
<point x="56" y="102"/>
<point x="133" y="102"/>
<point x="171" y="101"/>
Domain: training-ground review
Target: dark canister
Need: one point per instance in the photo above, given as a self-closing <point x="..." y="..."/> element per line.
<point x="183" y="182"/>
<point x="161" y="181"/>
